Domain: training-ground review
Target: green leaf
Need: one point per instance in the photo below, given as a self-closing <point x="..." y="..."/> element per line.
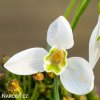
<point x="69" y="8"/>
<point x="79" y="12"/>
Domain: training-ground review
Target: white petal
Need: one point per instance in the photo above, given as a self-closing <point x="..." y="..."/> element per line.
<point x="60" y="34"/>
<point x="94" y="45"/>
<point x="27" y="62"/>
<point x="78" y="77"/>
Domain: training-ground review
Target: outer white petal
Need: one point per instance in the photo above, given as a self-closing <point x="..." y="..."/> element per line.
<point x="60" y="34"/>
<point x="27" y="62"/>
<point x="78" y="77"/>
<point x="94" y="45"/>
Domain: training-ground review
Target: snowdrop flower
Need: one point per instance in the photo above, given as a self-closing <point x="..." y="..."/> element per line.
<point x="75" y="73"/>
<point x="94" y="45"/>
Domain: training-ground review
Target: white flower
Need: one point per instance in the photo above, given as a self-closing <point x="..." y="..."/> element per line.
<point x="94" y="45"/>
<point x="75" y="73"/>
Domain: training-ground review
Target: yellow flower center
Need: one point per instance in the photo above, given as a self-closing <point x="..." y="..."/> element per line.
<point x="57" y="57"/>
<point x="56" y="60"/>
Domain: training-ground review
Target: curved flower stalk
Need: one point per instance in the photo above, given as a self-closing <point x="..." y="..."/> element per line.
<point x="75" y="73"/>
<point x="94" y="45"/>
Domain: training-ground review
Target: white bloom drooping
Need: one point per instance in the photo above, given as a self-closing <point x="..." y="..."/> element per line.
<point x="94" y="45"/>
<point x="76" y="74"/>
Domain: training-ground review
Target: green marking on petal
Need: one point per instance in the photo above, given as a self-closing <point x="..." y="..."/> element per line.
<point x="52" y="50"/>
<point x="47" y="57"/>
<point x="55" y="60"/>
<point x="64" y="62"/>
<point x="98" y="38"/>
<point x="56" y="69"/>
<point x="49" y="67"/>
<point x="52" y="67"/>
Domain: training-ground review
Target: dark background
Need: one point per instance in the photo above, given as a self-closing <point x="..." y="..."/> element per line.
<point x="24" y="23"/>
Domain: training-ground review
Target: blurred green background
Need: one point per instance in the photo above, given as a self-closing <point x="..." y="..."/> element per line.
<point x="24" y="24"/>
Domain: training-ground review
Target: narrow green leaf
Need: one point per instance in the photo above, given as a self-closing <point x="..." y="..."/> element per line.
<point x="69" y="8"/>
<point x="79" y="12"/>
<point x="34" y="95"/>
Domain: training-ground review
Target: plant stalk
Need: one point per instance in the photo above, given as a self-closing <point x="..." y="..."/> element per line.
<point x="56" y="89"/>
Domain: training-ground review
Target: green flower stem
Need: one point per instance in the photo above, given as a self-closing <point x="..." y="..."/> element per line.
<point x="79" y="12"/>
<point x="56" y="90"/>
<point x="19" y="77"/>
<point x="99" y="7"/>
<point x="29" y="84"/>
<point x="35" y="95"/>
<point x="24" y="83"/>
<point x="69" y="8"/>
<point x="78" y="6"/>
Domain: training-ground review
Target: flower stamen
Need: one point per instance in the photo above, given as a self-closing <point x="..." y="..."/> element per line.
<point x="57" y="57"/>
<point x="55" y="61"/>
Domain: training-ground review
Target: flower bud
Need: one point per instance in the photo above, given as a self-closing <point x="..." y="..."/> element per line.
<point x="51" y="75"/>
<point x="94" y="45"/>
<point x="38" y="76"/>
<point x="13" y="87"/>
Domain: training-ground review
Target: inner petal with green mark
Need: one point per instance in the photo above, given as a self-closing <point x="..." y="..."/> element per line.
<point x="55" y="61"/>
<point x="98" y="41"/>
<point x="98" y="38"/>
